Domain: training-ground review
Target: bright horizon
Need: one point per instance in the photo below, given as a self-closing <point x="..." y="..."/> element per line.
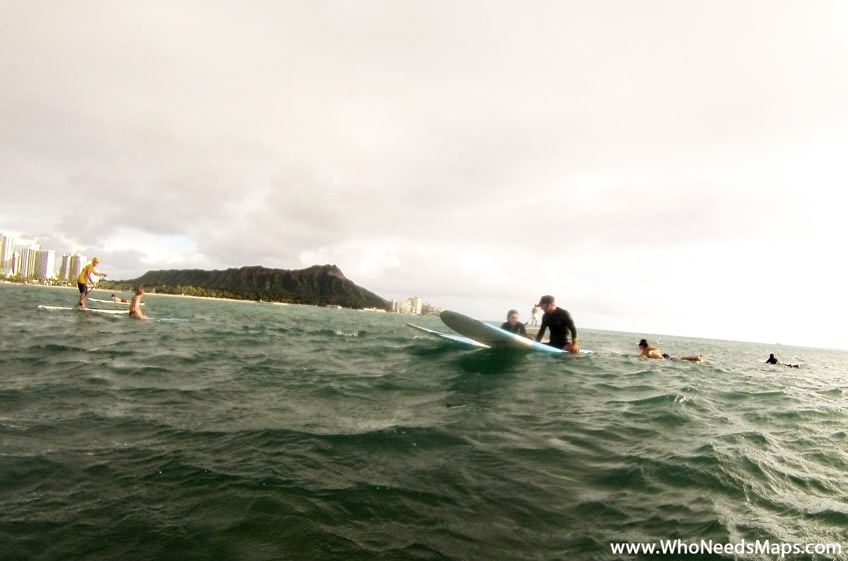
<point x="671" y="168"/>
<point x="652" y="337"/>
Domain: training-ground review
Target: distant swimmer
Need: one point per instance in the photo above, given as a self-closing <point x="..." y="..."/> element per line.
<point x="560" y="323"/>
<point x="513" y="325"/>
<point x="135" y="304"/>
<point x="118" y="299"/>
<point x="534" y="316"/>
<point x="86" y="279"/>
<point x="773" y="360"/>
<point x="648" y="351"/>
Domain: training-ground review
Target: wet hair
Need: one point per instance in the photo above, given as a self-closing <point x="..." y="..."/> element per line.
<point x="643" y="343"/>
<point x="509" y="313"/>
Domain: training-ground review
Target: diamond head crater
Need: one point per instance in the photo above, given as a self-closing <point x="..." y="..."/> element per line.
<point x="318" y="285"/>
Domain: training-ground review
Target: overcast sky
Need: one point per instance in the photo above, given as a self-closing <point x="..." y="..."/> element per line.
<point x="660" y="167"/>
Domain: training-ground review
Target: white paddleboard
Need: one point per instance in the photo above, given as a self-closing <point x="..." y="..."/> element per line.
<point x="450" y="337"/>
<point x="494" y="336"/>
<point x="90" y="299"/>
<point x="93" y="310"/>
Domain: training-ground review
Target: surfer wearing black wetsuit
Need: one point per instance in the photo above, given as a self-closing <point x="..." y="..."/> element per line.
<point x="513" y="325"/>
<point x="560" y="323"/>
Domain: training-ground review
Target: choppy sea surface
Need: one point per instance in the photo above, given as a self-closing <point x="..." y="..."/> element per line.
<point x="267" y="432"/>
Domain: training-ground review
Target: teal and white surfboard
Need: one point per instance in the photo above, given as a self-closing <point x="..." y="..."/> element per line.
<point x="493" y="336"/>
<point x="466" y="341"/>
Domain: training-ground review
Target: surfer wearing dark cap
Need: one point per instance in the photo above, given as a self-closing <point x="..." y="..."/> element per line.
<point x="560" y="323"/>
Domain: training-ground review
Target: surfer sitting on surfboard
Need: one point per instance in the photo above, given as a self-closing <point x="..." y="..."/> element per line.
<point x="513" y="325"/>
<point x="560" y="323"/>
<point x="86" y="278"/>
<point x="135" y="304"/>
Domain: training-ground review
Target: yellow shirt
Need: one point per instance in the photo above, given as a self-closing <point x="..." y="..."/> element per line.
<point x="86" y="272"/>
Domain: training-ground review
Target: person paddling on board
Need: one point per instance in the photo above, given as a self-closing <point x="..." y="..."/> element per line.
<point x="135" y="304"/>
<point x="513" y="325"/>
<point x="773" y="360"/>
<point x="560" y="323"/>
<point x="86" y="279"/>
<point x="648" y="351"/>
<point x="653" y="352"/>
<point x="117" y="299"/>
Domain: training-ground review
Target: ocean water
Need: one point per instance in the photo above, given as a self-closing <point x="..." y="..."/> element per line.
<point x="269" y="432"/>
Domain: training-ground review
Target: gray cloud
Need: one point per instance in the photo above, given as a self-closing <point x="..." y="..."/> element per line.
<point x="453" y="149"/>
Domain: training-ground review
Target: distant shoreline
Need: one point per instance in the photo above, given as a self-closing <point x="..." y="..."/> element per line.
<point x="197" y="297"/>
<point x="103" y="290"/>
<point x="4" y="281"/>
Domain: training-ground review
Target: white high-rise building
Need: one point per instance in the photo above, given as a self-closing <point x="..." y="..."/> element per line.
<point x="409" y="306"/>
<point x="45" y="266"/>
<point x="7" y="251"/>
<point x="29" y="260"/>
<point x="65" y="268"/>
<point x="77" y="263"/>
<point x="16" y="263"/>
